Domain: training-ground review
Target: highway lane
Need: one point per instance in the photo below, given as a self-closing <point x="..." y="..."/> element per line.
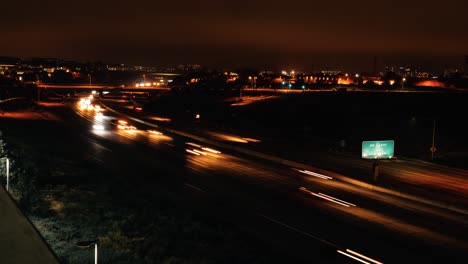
<point x="439" y="183"/>
<point x="271" y="194"/>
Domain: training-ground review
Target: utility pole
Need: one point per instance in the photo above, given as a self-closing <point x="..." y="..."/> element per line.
<point x="375" y="170"/>
<point x="433" y="148"/>
<point x="38" y="81"/>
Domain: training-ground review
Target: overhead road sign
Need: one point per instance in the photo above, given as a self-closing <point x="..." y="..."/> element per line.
<point x="381" y="149"/>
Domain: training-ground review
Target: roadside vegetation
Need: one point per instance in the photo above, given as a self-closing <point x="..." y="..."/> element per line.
<point x="71" y="198"/>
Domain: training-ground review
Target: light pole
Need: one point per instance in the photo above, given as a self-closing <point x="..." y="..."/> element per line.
<point x="38" y="81"/>
<point x="403" y="83"/>
<point x="433" y="148"/>
<point x="89" y="75"/>
<point x="87" y="244"/>
<point x="255" y="82"/>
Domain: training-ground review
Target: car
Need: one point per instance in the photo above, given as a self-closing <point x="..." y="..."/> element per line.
<point x="137" y="108"/>
<point x="122" y="124"/>
<point x="198" y="150"/>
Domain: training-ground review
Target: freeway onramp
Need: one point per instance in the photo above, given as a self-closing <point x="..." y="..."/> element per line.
<point x="20" y="242"/>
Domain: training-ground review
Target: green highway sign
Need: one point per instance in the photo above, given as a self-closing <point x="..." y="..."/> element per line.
<point x="383" y="149"/>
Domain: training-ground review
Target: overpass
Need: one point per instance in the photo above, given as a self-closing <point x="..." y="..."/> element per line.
<point x="100" y="87"/>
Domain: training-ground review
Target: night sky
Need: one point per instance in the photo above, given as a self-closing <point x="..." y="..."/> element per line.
<point x="303" y="34"/>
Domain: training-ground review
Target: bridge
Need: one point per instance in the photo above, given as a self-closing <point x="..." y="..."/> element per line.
<point x="100" y="87"/>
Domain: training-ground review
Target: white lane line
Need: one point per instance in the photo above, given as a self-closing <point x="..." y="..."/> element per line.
<point x="214" y="151"/>
<point x="96" y="159"/>
<point x="357" y="256"/>
<point x="364" y="257"/>
<point x="199" y="151"/>
<point x="315" y="174"/>
<point x="296" y="230"/>
<point x="193" y="152"/>
<point x="326" y="197"/>
<point x="353" y="257"/>
<point x="193" y="144"/>
<point x="331" y="197"/>
<point x="193" y="187"/>
<point x="98" y="145"/>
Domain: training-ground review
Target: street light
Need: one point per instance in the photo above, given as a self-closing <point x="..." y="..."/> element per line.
<point x="88" y="244"/>
<point x="403" y="83"/>
<point x="89" y="75"/>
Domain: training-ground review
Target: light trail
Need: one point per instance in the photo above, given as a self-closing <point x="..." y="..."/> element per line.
<point x="315" y="174"/>
<point x="327" y="197"/>
<point x="357" y="256"/>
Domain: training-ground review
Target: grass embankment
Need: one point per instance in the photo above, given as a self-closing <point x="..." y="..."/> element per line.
<point x="71" y="197"/>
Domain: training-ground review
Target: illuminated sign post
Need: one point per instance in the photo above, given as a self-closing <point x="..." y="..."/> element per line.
<point x="375" y="150"/>
<point x="378" y="149"/>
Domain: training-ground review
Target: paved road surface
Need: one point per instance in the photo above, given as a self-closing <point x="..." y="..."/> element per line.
<point x="19" y="240"/>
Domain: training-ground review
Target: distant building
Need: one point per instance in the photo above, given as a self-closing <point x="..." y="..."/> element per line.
<point x="8" y="64"/>
<point x="120" y="67"/>
<point x="451" y="73"/>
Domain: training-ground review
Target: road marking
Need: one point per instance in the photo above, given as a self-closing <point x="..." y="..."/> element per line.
<point x="297" y="230"/>
<point x="314" y="174"/>
<point x="337" y="199"/>
<point x="357" y="256"/>
<point x="193" y="152"/>
<point x="193" y="187"/>
<point x="327" y="197"/>
<point x="96" y="159"/>
<point x="193" y="144"/>
<point x="98" y="145"/>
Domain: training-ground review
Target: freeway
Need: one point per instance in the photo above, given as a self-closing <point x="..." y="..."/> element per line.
<point x="310" y="215"/>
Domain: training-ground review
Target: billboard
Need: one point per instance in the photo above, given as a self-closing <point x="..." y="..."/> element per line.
<point x="381" y="149"/>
